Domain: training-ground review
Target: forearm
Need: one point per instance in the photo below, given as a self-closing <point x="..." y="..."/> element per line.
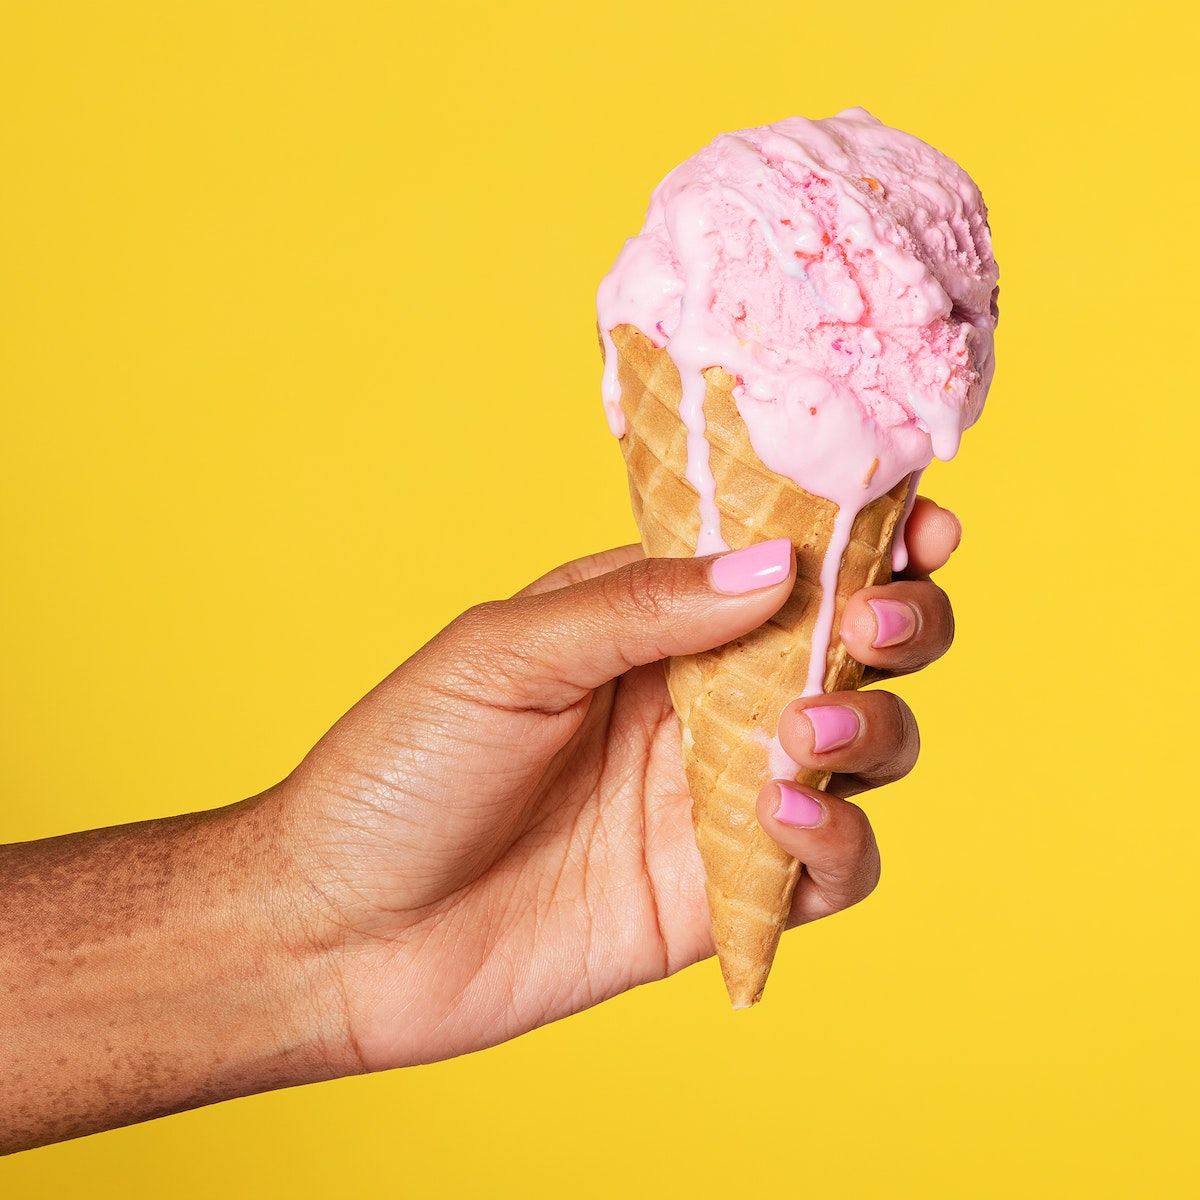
<point x="151" y="968"/>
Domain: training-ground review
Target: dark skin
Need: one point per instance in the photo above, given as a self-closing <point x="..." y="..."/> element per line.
<point x="497" y="836"/>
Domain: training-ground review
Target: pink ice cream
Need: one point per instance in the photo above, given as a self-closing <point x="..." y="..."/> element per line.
<point x="843" y="272"/>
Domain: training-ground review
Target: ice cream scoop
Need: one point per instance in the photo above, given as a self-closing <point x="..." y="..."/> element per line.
<point x="812" y="305"/>
<point x="837" y="265"/>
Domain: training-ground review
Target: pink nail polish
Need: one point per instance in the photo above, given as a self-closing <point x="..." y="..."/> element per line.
<point x="833" y="726"/>
<point x="753" y="568"/>
<point x="895" y="622"/>
<point x="797" y="808"/>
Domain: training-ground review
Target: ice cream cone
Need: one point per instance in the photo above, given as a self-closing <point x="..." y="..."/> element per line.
<point x="729" y="700"/>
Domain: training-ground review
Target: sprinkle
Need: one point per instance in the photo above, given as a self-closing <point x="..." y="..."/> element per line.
<point x="871" y="472"/>
<point x="873" y="184"/>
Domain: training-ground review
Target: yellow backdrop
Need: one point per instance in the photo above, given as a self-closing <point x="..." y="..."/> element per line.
<point x="299" y="361"/>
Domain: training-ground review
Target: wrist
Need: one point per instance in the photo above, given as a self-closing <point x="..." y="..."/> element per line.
<point x="296" y="946"/>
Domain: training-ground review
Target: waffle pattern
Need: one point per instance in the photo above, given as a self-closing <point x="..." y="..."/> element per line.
<point x="729" y="700"/>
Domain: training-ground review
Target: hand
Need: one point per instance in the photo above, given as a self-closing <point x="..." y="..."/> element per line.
<point x="500" y="833"/>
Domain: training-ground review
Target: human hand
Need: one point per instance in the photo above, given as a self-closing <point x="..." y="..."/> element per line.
<point x="500" y="834"/>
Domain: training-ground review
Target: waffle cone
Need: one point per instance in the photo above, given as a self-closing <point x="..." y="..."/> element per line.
<point x="729" y="699"/>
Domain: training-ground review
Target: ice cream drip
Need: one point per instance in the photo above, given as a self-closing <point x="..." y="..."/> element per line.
<point x="842" y="272"/>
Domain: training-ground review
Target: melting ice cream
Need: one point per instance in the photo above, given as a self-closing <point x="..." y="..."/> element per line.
<point x="842" y="272"/>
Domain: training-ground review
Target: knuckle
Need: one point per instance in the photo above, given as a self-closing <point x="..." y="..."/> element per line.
<point x="478" y="622"/>
<point x="856" y="875"/>
<point x="908" y="735"/>
<point x="478" y="649"/>
<point x="941" y="619"/>
<point x="871" y="876"/>
<point x="895" y="741"/>
<point x="864" y="844"/>
<point x="911" y="738"/>
<point x="892" y="715"/>
<point x="640" y="591"/>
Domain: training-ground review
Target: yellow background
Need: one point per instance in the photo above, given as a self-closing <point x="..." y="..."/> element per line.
<point x="298" y="361"/>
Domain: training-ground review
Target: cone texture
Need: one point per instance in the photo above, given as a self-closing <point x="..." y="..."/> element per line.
<point x="729" y="700"/>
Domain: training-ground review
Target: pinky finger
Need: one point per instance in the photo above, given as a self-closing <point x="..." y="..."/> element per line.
<point x="832" y="838"/>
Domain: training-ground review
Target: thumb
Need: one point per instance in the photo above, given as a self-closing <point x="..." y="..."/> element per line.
<point x="550" y="650"/>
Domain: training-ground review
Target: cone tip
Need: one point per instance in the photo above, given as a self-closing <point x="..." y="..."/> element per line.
<point x="745" y="982"/>
<point x="743" y="999"/>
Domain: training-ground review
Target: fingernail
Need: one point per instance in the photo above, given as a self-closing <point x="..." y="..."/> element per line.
<point x="833" y="725"/>
<point x="895" y="622"/>
<point x="755" y="567"/>
<point x="797" y="808"/>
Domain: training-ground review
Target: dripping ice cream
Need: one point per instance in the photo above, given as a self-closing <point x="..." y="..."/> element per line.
<point x="806" y="315"/>
<point x="843" y="272"/>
